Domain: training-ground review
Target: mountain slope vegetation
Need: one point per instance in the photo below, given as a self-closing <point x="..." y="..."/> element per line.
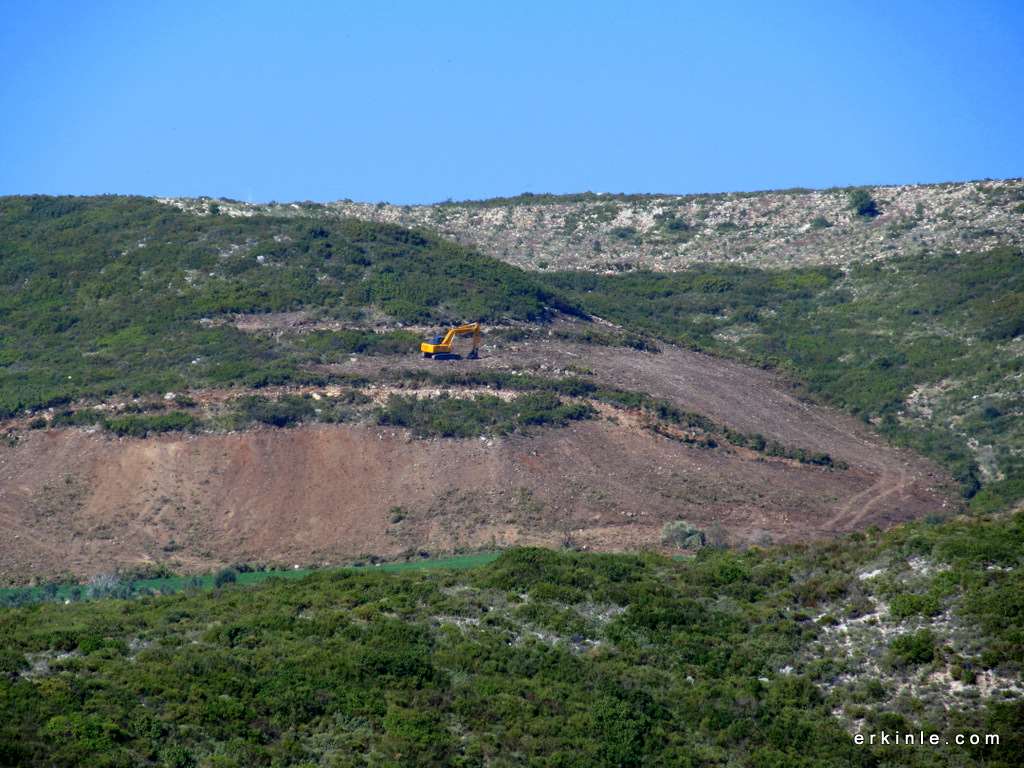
<point x="101" y="295"/>
<point x="767" y="656"/>
<point x="928" y="348"/>
<point x="128" y="295"/>
<point x="543" y="658"/>
<point x="775" y="228"/>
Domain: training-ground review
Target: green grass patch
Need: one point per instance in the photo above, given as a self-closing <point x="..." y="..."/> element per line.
<point x="128" y="586"/>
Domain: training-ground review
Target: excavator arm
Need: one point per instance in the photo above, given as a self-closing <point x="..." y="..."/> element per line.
<point x="441" y="348"/>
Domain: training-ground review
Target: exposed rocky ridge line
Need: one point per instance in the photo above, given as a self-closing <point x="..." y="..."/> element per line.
<point x="668" y="233"/>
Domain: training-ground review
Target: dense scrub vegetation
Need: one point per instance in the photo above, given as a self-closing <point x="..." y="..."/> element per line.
<point x="540" y="658"/>
<point x="330" y="346"/>
<point x="690" y="307"/>
<point x="114" y="294"/>
<point x="126" y="424"/>
<point x="543" y="407"/>
<point x="102" y="295"/>
<point x="446" y="416"/>
<point x="758" y="658"/>
<point x="865" y="341"/>
<point x="545" y="198"/>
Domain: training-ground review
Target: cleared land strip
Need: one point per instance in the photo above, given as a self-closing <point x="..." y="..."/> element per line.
<point x="329" y="492"/>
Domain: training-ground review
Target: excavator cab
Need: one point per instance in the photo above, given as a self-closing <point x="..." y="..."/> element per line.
<point x="441" y="347"/>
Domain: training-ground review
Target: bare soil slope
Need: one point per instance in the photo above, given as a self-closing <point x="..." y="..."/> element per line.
<point x="84" y="502"/>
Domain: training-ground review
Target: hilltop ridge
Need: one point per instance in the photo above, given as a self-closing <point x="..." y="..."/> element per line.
<point x="781" y="228"/>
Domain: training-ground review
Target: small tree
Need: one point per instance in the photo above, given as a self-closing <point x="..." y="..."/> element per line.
<point x="863" y="204"/>
<point x="225" y="577"/>
<point x="913" y="649"/>
<point x="108" y="585"/>
<point x="682" y="534"/>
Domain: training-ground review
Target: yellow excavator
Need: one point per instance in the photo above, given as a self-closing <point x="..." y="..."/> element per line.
<point x="440" y="347"/>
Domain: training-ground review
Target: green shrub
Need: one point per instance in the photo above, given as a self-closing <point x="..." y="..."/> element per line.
<point x="146" y="424"/>
<point x="80" y="418"/>
<point x="671" y="222"/>
<point x="998" y="496"/>
<point x="905" y="605"/>
<point x="224" y="577"/>
<point x="286" y="411"/>
<point x="682" y="534"/>
<point x="1003" y="316"/>
<point x="446" y="416"/>
<point x="12" y="662"/>
<point x="863" y="204"/>
<point x="418" y="736"/>
<point x="329" y="345"/>
<point x="913" y="649"/>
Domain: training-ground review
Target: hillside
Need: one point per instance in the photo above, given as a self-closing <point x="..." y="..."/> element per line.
<point x="174" y="348"/>
<point x="728" y="514"/>
<point x="670" y="232"/>
<point x="103" y="295"/>
<point x="543" y="658"/>
<point x="927" y="348"/>
<point x="909" y="314"/>
<point x="412" y="460"/>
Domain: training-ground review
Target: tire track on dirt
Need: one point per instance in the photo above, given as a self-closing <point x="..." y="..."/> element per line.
<point x="754" y="400"/>
<point x="318" y="493"/>
<point x="859" y="506"/>
<point x="748" y="399"/>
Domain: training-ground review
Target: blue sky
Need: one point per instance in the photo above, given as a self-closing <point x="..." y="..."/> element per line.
<point x="419" y="102"/>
